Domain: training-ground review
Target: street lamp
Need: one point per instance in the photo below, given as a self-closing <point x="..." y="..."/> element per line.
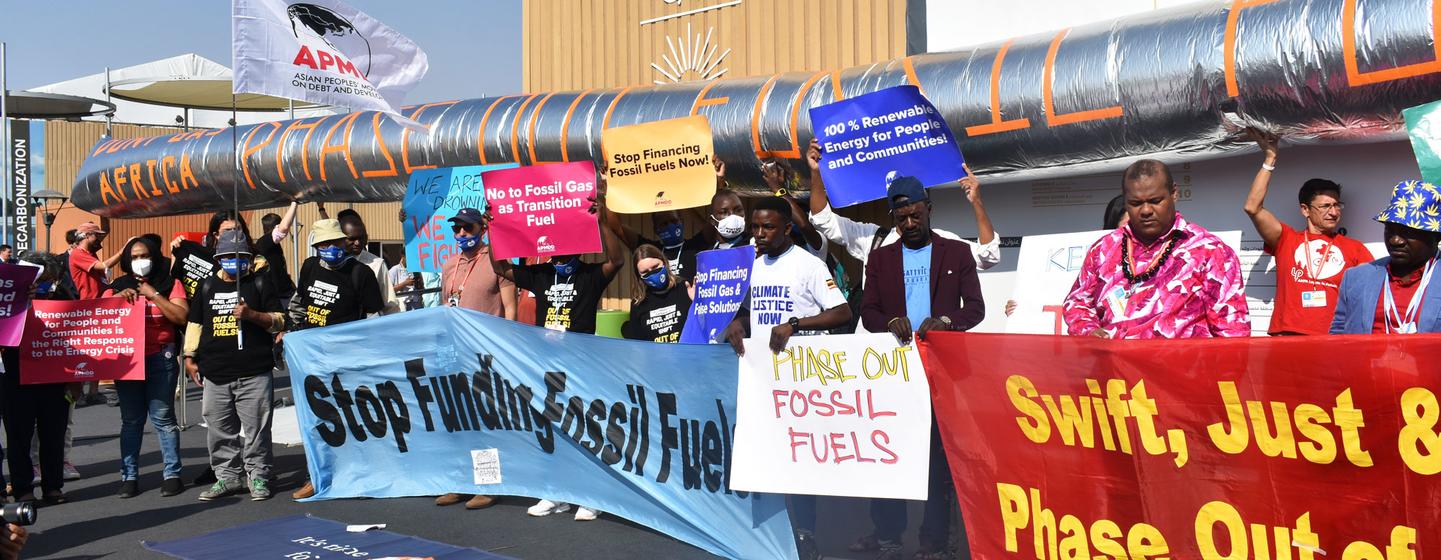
<point x="41" y="201"/>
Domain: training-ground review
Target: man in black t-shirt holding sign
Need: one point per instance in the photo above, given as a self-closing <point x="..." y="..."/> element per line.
<point x="233" y="320"/>
<point x="334" y="288"/>
<point x="568" y="291"/>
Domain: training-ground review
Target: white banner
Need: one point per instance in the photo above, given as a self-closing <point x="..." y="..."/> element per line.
<point x="322" y="51"/>
<point x="1047" y="268"/>
<point x="834" y="415"/>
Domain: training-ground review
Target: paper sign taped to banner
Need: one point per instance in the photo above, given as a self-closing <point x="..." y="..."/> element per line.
<point x="84" y="340"/>
<point x="836" y="415"/>
<point x="542" y="210"/>
<point x="869" y="139"/>
<point x="664" y="165"/>
<point x="432" y="198"/>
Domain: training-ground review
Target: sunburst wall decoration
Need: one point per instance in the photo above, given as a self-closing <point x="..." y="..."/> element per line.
<point x="691" y="58"/>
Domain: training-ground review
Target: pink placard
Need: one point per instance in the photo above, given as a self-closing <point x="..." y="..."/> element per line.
<point x="85" y="340"/>
<point x="542" y="210"/>
<point x="15" y="281"/>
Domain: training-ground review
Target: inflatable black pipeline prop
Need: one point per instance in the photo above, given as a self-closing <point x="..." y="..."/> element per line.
<point x="1176" y="84"/>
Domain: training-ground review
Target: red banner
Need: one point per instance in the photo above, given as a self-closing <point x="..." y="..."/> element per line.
<point x="1275" y="448"/>
<point x="85" y="340"/>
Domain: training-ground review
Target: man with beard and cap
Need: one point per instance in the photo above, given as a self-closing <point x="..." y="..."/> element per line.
<point x="1310" y="262"/>
<point x="233" y="318"/>
<point x="468" y="279"/>
<point x="1399" y="293"/>
<point x="1158" y="276"/>
<point x="786" y="277"/>
<point x="924" y="283"/>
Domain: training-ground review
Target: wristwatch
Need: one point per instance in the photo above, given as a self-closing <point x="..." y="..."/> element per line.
<point x="947" y="321"/>
<point x="795" y="323"/>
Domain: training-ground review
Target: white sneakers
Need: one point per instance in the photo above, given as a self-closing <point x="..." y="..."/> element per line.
<point x="547" y="507"/>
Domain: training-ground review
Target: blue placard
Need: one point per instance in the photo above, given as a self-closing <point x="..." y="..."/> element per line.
<point x="459" y="401"/>
<point x="722" y="279"/>
<point x="432" y="197"/>
<point x="867" y="138"/>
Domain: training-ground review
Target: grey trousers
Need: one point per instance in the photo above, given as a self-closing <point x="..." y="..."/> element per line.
<point x="229" y="407"/>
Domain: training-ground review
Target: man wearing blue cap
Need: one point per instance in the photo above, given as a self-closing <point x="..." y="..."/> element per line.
<point x="234" y="317"/>
<point x="1398" y="294"/>
<point x="924" y="283"/>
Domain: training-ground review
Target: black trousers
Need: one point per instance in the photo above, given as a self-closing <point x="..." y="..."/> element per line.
<point x="889" y="516"/>
<point x="26" y="409"/>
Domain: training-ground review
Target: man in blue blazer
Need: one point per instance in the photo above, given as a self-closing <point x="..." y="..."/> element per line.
<point x="1398" y="294"/>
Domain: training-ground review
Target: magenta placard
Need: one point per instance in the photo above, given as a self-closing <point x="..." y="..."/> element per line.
<point x="542" y="210"/>
<point x="15" y="281"/>
<point x="84" y="340"/>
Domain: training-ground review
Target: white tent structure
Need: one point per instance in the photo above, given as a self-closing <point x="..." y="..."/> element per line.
<point x="170" y="86"/>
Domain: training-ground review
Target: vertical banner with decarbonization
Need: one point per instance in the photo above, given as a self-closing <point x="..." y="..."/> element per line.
<point x="24" y="155"/>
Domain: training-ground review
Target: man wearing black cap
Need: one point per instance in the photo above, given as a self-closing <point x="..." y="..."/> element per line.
<point x="233" y="320"/>
<point x="468" y="279"/>
<point x="924" y="283"/>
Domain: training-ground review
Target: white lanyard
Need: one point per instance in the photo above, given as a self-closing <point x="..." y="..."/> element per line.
<point x="1408" y="326"/>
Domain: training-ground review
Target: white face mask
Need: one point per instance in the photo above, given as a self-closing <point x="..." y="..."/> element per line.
<point x="731" y="227"/>
<point x="141" y="267"/>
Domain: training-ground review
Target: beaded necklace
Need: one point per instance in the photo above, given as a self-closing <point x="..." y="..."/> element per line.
<point x="1127" y="265"/>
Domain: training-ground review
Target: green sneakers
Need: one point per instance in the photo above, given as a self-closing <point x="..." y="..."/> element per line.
<point x="259" y="490"/>
<point x="221" y="489"/>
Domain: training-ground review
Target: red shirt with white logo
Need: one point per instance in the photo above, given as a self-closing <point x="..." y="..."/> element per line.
<point x="1308" y="278"/>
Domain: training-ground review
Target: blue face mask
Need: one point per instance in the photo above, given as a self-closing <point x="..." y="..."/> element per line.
<point x="235" y="266"/>
<point x="672" y="236"/>
<point x="467" y="243"/>
<point x="657" y="279"/>
<point x="565" y="269"/>
<point x="333" y="256"/>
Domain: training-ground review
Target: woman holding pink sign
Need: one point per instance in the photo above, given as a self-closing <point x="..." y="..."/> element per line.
<point x="147" y="276"/>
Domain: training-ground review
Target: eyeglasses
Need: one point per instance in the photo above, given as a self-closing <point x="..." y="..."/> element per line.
<point x="457" y="228"/>
<point x="1328" y="207"/>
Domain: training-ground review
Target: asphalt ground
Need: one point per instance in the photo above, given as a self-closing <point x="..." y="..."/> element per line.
<point x="98" y="524"/>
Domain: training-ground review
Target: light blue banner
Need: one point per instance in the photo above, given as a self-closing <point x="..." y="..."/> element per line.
<point x="868" y="138"/>
<point x="722" y="279"/>
<point x="432" y="197"/>
<point x="640" y="430"/>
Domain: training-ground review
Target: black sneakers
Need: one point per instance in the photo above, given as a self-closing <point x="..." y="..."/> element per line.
<point x="171" y="487"/>
<point x="129" y="489"/>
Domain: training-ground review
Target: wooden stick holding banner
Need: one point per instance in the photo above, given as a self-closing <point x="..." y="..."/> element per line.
<point x="835" y="415"/>
<point x="664" y="165"/>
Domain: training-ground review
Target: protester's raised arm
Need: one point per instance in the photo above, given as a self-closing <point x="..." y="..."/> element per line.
<point x="1266" y="223"/>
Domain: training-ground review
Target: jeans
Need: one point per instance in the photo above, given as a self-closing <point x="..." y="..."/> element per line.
<point x="155" y="397"/>
<point x="889" y="516"/>
<point x="227" y="407"/>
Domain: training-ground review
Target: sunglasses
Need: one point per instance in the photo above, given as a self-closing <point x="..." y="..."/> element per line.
<point x="457" y="228"/>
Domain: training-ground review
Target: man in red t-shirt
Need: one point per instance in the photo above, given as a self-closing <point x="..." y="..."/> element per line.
<point x="1310" y="262"/>
<point x="87" y="269"/>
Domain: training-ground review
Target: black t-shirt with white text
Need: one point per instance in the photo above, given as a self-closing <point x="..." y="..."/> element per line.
<point x="222" y="356"/>
<point x="331" y="297"/>
<point x="191" y="264"/>
<point x="658" y="317"/>
<point x="279" y="269"/>
<point x="565" y="303"/>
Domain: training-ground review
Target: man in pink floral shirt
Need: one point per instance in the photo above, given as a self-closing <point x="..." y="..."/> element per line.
<point x="1158" y="276"/>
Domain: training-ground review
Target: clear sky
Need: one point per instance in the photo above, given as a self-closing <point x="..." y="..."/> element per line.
<point x="473" y="46"/>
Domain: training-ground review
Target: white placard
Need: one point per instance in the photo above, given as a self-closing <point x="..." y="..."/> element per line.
<point x="486" y="465"/>
<point x="834" y="415"/>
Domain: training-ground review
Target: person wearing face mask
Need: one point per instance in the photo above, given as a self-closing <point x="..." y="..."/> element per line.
<point x="332" y="288"/>
<point x="727" y="221"/>
<point x="37" y="409"/>
<point x="567" y="296"/>
<point x="659" y="301"/>
<point x="357" y="238"/>
<point x="147" y="277"/>
<point x="192" y="262"/>
<point x="228" y="338"/>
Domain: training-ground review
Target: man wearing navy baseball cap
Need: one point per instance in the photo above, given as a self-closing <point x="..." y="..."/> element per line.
<point x="468" y="279"/>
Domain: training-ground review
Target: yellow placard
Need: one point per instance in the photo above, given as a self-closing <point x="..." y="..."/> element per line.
<point x="665" y="165"/>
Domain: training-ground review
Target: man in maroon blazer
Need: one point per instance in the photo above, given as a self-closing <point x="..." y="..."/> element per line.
<point x="924" y="283"/>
